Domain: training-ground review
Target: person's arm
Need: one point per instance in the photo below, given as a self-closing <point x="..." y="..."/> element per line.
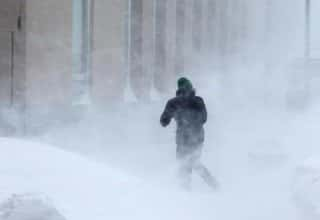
<point x="203" y="110"/>
<point x="167" y="114"/>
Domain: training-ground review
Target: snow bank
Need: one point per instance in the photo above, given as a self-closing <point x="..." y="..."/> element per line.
<point x="307" y="188"/>
<point x="71" y="181"/>
<point x="83" y="189"/>
<point x="29" y="207"/>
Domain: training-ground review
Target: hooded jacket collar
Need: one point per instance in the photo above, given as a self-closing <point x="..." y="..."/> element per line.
<point x="185" y="92"/>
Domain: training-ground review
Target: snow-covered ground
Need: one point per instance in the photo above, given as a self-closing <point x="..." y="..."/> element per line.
<point x="120" y="164"/>
<point x="83" y="189"/>
<point x="305" y="154"/>
<point x="307" y="188"/>
<point x="127" y="170"/>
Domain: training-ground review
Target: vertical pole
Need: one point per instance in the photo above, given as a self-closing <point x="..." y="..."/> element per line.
<point x="136" y="48"/>
<point x="196" y="25"/>
<point x="128" y="44"/>
<point x="77" y="42"/>
<point x="268" y="8"/>
<point x="86" y="47"/>
<point x="180" y="36"/>
<point x="82" y="50"/>
<point x="19" y="67"/>
<point x="211" y="25"/>
<point x="307" y="46"/>
<point x="267" y="56"/>
<point x="307" y="28"/>
<point x="90" y="44"/>
<point x="12" y="70"/>
<point x="160" y="61"/>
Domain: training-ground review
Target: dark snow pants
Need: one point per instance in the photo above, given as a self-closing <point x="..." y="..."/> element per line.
<point x="189" y="162"/>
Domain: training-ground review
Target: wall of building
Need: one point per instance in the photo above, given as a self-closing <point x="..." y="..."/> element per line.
<point x="48" y="54"/>
<point x="11" y="53"/>
<point x="108" y="70"/>
<point x="146" y="44"/>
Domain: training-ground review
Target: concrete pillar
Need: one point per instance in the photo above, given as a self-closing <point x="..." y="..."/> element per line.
<point x="108" y="66"/>
<point x="180" y="36"/>
<point x="160" y="45"/>
<point x="188" y="49"/>
<point x="141" y="47"/>
<point x="48" y="54"/>
<point x="136" y="48"/>
<point x="148" y="36"/>
<point x="244" y="23"/>
<point x="211" y="28"/>
<point x="6" y="68"/>
<point x="222" y="29"/>
<point x="19" y="76"/>
<point x="170" y="74"/>
<point x="235" y="24"/>
<point x="197" y="15"/>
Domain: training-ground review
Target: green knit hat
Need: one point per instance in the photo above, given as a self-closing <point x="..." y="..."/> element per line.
<point x="184" y="83"/>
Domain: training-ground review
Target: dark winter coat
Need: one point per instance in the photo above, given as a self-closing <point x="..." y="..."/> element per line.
<point x="190" y="114"/>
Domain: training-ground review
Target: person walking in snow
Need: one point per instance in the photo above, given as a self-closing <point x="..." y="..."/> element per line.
<point x="189" y="112"/>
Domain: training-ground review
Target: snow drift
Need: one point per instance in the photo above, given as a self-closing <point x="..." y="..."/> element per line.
<point x="83" y="189"/>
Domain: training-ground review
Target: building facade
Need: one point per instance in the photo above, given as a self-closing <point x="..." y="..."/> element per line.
<point x="59" y="53"/>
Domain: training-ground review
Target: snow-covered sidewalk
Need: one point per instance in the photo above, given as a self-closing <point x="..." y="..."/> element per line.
<point x="83" y="189"/>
